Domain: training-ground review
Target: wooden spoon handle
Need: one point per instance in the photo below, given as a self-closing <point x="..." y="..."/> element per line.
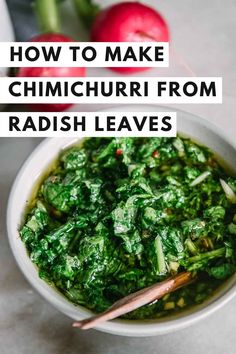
<point x="137" y="299"/>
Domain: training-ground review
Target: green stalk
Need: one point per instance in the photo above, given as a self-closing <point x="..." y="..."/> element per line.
<point x="191" y="246"/>
<point x="160" y="256"/>
<point x="208" y="255"/>
<point x="48" y="15"/>
<point x="87" y="10"/>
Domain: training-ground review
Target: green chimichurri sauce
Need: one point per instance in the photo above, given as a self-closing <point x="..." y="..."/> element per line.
<point x="117" y="215"/>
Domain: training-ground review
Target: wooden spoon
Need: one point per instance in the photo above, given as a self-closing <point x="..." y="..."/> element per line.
<point x="137" y="299"/>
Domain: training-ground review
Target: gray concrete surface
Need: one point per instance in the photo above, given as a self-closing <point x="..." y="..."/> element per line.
<point x="203" y="36"/>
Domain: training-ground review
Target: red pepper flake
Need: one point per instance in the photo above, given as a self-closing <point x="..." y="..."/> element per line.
<point x="155" y="154"/>
<point x="119" y="152"/>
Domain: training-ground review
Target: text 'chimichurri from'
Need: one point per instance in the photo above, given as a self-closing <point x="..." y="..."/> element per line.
<point x="119" y="214"/>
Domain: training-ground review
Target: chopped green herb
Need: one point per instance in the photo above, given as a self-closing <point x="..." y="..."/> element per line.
<point x="117" y="215"/>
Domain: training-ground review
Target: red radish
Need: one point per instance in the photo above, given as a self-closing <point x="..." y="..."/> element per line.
<point x="129" y="22"/>
<point x="51" y="72"/>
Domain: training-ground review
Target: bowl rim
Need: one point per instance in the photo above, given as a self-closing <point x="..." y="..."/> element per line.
<point x="120" y="327"/>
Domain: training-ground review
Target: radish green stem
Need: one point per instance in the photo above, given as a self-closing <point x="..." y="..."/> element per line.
<point x="87" y="10"/>
<point x="160" y="256"/>
<point x="48" y="15"/>
<point x="191" y="246"/>
<point x="208" y="255"/>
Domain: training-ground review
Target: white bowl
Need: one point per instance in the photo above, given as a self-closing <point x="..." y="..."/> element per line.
<point x="192" y="126"/>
